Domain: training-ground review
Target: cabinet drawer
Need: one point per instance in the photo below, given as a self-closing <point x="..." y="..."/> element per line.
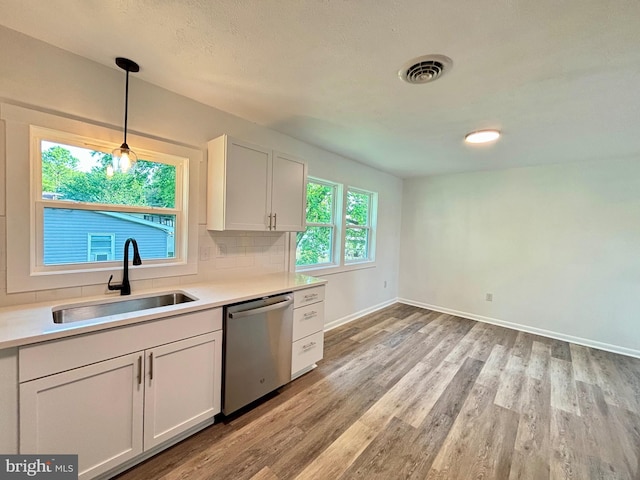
<point x="308" y="296"/>
<point x="306" y="352"/>
<point x="308" y="320"/>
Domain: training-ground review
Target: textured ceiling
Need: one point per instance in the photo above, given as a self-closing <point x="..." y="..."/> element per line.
<point x="559" y="77"/>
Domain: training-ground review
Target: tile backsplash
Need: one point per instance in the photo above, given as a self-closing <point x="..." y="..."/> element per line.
<point x="236" y="254"/>
<point x="221" y="255"/>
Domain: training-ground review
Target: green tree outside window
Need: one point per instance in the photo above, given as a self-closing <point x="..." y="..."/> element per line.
<point x="358" y="226"/>
<point x="314" y="246"/>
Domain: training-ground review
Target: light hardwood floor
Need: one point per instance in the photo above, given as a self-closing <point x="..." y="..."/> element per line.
<point x="410" y="393"/>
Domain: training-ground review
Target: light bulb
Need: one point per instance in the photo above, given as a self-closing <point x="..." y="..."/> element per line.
<point x="125" y="162"/>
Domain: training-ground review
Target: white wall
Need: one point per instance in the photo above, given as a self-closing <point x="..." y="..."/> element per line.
<point x="42" y="77"/>
<point x="557" y="246"/>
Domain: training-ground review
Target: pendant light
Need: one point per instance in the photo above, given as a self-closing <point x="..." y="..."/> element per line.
<point x="123" y="156"/>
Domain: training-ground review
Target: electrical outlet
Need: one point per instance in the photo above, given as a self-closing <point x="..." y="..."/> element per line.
<point x="489" y="297"/>
<point x="204" y="254"/>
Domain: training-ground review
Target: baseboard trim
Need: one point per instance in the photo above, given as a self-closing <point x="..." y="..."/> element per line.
<point x="359" y="314"/>
<point x="630" y="352"/>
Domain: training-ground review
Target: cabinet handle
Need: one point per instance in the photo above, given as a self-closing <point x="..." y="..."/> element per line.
<point x="269" y="221"/>
<point x="275" y="221"/>
<point x="309" y="346"/>
<point x="310" y="296"/>
<point x="151" y="366"/>
<point x="140" y="370"/>
<point x="310" y="314"/>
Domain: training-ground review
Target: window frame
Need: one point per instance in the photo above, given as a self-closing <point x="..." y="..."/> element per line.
<point x="112" y="250"/>
<point x="335" y="226"/>
<point x="22" y="276"/>
<point x="339" y="264"/>
<point x="37" y="136"/>
<point x="369" y="227"/>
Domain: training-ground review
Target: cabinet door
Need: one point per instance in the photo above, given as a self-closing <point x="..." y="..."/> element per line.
<point x="94" y="411"/>
<point x="289" y="193"/>
<point x="183" y="386"/>
<point x="248" y="188"/>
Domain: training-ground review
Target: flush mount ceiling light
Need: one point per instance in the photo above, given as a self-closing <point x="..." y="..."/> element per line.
<point x="482" y="136"/>
<point x="123" y="156"/>
<point x="425" y="69"/>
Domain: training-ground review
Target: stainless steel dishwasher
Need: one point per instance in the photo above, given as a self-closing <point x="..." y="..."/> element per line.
<point x="257" y="349"/>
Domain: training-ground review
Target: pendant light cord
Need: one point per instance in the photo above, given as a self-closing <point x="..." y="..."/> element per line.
<point x="126" y="106"/>
<point x="128" y="66"/>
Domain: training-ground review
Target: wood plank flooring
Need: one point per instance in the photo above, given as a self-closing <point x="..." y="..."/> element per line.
<point x="410" y="393"/>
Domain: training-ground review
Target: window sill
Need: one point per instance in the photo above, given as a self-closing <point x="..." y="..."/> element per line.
<point x="334" y="269"/>
<point x="25" y="281"/>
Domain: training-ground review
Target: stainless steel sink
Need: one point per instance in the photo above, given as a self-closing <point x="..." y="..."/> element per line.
<point x="97" y="310"/>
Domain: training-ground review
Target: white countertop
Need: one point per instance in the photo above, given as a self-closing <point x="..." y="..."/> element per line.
<point x="31" y="323"/>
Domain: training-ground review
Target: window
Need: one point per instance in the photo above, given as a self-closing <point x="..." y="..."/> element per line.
<point x="336" y="236"/>
<point x="101" y="247"/>
<point x="30" y="207"/>
<point x="316" y="245"/>
<point x="78" y="194"/>
<point x="358" y="230"/>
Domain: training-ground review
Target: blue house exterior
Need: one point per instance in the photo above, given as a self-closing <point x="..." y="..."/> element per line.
<point x="80" y="236"/>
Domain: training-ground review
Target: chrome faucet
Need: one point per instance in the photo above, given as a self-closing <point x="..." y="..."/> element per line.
<point x="125" y="287"/>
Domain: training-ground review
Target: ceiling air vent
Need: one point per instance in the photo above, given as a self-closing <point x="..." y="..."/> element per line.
<point x="425" y="69"/>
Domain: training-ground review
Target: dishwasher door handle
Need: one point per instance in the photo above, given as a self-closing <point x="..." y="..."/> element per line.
<point x="268" y="308"/>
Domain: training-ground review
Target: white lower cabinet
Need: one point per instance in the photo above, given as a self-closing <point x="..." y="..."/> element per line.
<point x="94" y="411"/>
<point x="182" y="384"/>
<point x="308" y="330"/>
<point x="113" y="410"/>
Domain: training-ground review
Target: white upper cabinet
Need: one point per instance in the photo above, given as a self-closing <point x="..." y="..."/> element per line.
<point x="288" y="193"/>
<point x="239" y="187"/>
<point x="253" y="188"/>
